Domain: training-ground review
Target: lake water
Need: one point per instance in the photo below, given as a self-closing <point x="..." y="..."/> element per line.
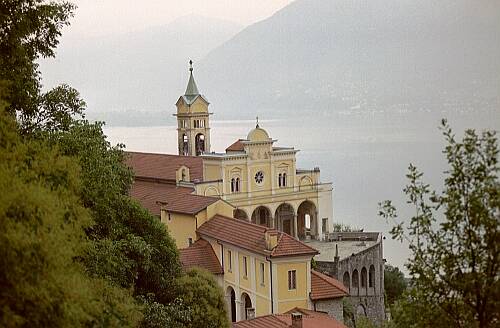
<point x="365" y="156"/>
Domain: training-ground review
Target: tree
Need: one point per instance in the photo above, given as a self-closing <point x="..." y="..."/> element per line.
<point x="394" y="284"/>
<point x="42" y="236"/>
<point x="129" y="246"/>
<point x="199" y="290"/>
<point x="453" y="236"/>
<point x="30" y="30"/>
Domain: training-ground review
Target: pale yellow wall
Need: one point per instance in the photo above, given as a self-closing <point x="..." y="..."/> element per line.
<point x="230" y="274"/>
<point x="219" y="208"/>
<point x="212" y="171"/>
<point x="245" y="282"/>
<point x="262" y="306"/>
<point x="288" y="305"/>
<point x="288" y="299"/>
<point x="181" y="227"/>
<point x="263" y="289"/>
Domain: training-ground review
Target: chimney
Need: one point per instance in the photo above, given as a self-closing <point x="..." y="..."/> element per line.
<point x="271" y="240"/>
<point x="296" y="320"/>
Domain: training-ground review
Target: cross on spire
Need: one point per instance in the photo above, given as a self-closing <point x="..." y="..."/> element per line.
<point x="257" y="124"/>
<point x="190" y="65"/>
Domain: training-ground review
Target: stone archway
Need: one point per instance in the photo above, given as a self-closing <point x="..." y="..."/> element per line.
<point x="246" y="303"/>
<point x="261" y="215"/>
<point x="307" y="225"/>
<point x="199" y="142"/>
<point x="286" y="219"/>
<point x="231" y="300"/>
<point x="240" y="214"/>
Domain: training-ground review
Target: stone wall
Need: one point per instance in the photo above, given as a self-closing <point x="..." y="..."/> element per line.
<point x="334" y="308"/>
<point x="363" y="274"/>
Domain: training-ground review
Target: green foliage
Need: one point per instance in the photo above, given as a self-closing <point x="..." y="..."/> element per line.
<point x="156" y="315"/>
<point x="341" y="227"/>
<point x="129" y="246"/>
<point x="41" y="235"/>
<point x="364" y="322"/>
<point x="456" y="259"/>
<point x="348" y="313"/>
<point x="29" y="30"/>
<point x="201" y="293"/>
<point x="394" y="284"/>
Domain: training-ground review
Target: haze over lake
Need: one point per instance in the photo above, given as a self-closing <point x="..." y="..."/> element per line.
<point x="365" y="156"/>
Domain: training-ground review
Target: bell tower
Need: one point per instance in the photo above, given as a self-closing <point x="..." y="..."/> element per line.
<point x="193" y="128"/>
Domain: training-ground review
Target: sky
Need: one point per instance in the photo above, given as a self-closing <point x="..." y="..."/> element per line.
<point x="107" y="17"/>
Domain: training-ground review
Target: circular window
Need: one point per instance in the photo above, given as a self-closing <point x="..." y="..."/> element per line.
<point x="259" y="177"/>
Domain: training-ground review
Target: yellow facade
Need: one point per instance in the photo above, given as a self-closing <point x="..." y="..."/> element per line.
<point x="183" y="226"/>
<point x="261" y="178"/>
<point x="268" y="295"/>
<point x="298" y="296"/>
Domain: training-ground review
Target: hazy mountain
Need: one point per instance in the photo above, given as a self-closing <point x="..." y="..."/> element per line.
<point x="324" y="56"/>
<point x="135" y="77"/>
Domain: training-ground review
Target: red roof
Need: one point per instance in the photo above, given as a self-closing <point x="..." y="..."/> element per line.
<point x="252" y="237"/>
<point x="163" y="166"/>
<point x="236" y="146"/>
<point x="200" y="254"/>
<point x="153" y="195"/>
<point x="326" y="287"/>
<point x="310" y="319"/>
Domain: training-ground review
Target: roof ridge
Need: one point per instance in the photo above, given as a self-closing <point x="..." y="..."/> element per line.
<point x="301" y="242"/>
<point x="159" y="154"/>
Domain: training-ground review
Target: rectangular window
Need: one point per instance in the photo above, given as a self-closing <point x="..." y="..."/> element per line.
<point x="230" y="261"/>
<point x="245" y="267"/>
<point x="262" y="273"/>
<point x="292" y="282"/>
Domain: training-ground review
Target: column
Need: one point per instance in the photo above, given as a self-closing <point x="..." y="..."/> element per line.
<point x="318" y="229"/>
<point x="239" y="315"/>
<point x="272" y="225"/>
<point x="228" y="306"/>
<point x="295" y="226"/>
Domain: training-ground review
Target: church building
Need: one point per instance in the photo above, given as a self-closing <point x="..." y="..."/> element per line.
<point x="243" y="214"/>
<point x="261" y="180"/>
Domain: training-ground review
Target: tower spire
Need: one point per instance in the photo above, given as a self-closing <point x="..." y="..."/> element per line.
<point x="192" y="89"/>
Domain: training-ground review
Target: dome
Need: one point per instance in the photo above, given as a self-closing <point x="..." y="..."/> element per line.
<point x="258" y="134"/>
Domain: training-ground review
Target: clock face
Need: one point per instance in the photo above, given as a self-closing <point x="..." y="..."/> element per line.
<point x="259" y="177"/>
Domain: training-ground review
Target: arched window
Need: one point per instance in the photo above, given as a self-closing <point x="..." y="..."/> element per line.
<point x="237" y="184"/>
<point x="346" y="279"/>
<point x="185" y="146"/>
<point x="200" y="144"/>
<point x="232" y="185"/>
<point x="279" y="180"/>
<point x="183" y="177"/>
<point x="371" y="276"/>
<point x="283" y="183"/>
<point x="363" y="277"/>
<point x="355" y="279"/>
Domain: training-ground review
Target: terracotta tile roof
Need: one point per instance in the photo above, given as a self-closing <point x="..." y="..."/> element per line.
<point x="153" y="195"/>
<point x="252" y="237"/>
<point x="287" y="245"/>
<point x="163" y="166"/>
<point x="200" y="254"/>
<point x="236" y="146"/>
<point x="310" y="319"/>
<point x="326" y="287"/>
